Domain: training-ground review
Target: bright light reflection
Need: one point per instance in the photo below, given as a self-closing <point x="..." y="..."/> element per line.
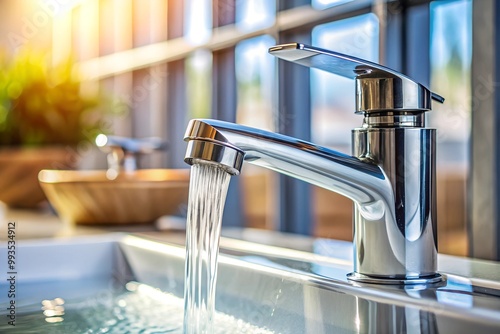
<point x="458" y="292"/>
<point x="151" y="293"/>
<point x="101" y="140"/>
<point x="198" y="21"/>
<point x="255" y="14"/>
<point x="266" y="250"/>
<point x="323" y="4"/>
<point x="54" y="320"/>
<point x="112" y="174"/>
<point x="52" y="313"/>
<point x="53" y="310"/>
<point x="201" y="60"/>
<point x="357" y="320"/>
<point x="180" y="252"/>
<point x="58" y="7"/>
<point x="252" y="58"/>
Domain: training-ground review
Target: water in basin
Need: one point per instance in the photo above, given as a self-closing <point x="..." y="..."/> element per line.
<point x="273" y="290"/>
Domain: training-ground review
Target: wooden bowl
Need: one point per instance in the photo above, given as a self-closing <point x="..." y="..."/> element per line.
<point x="139" y="197"/>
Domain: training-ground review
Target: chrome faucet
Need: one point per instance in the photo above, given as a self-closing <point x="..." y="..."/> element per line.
<point x="391" y="176"/>
<point x="123" y="152"/>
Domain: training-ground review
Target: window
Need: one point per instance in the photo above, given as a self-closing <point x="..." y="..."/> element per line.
<point x="176" y="60"/>
<point x="198" y="21"/>
<point x="450" y="55"/>
<point x="255" y="107"/>
<point x="255" y="14"/>
<point x="323" y="4"/>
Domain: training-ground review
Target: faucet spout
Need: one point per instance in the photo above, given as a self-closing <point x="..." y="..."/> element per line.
<point x="361" y="181"/>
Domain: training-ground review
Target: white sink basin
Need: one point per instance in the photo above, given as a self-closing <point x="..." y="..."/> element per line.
<point x="269" y="289"/>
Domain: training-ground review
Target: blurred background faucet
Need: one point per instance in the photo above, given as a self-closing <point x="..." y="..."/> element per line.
<point x="123" y="153"/>
<point x="391" y="175"/>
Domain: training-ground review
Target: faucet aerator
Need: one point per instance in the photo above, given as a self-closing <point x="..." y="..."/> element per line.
<point x="222" y="155"/>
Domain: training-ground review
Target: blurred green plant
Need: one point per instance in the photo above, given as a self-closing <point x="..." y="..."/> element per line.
<point x="46" y="105"/>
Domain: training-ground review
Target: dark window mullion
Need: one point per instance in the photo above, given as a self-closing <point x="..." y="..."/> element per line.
<point x="224" y="102"/>
<point x="289" y="4"/>
<point x="392" y="27"/>
<point x="176" y="92"/>
<point x="416" y="52"/>
<point x="294" y="119"/>
<point x="484" y="183"/>
<point x="224" y="91"/>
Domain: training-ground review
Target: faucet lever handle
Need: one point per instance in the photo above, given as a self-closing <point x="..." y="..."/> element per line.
<point x="379" y="89"/>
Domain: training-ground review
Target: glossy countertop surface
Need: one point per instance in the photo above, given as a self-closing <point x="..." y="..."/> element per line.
<point x="266" y="260"/>
<point x="44" y="224"/>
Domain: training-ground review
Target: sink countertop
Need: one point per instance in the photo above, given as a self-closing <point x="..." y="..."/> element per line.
<point x="44" y="224"/>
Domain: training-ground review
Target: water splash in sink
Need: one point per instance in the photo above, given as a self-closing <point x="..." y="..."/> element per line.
<point x="207" y="195"/>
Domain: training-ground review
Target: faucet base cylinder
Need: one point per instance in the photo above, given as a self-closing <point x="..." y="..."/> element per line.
<point x="399" y="245"/>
